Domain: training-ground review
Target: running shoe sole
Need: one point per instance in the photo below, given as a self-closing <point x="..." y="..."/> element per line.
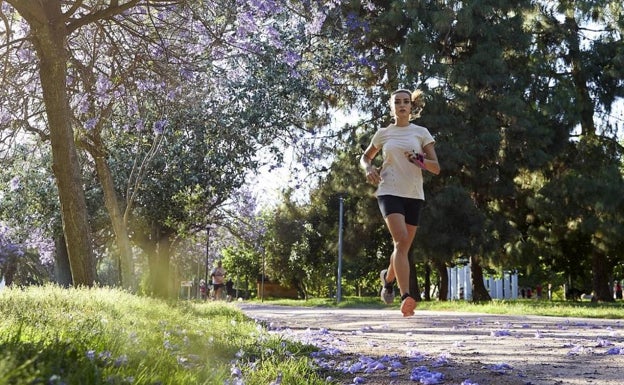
<point x="407" y="307"/>
<point x="387" y="291"/>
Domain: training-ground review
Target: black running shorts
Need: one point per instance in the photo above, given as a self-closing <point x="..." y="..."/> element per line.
<point x="409" y="207"/>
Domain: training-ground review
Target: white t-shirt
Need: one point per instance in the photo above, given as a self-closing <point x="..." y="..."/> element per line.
<point x="399" y="176"/>
<point x="218" y="275"/>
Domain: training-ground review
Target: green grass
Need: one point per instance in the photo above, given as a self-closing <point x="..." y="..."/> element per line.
<point x="584" y="309"/>
<point x="50" y="335"/>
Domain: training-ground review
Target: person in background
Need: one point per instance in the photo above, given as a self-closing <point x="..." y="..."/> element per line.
<point x="218" y="280"/>
<point x="229" y="289"/>
<point x="203" y="289"/>
<point x="550" y="291"/>
<point x="407" y="150"/>
<point x="617" y="290"/>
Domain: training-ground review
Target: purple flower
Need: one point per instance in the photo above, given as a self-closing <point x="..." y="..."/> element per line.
<point x="25" y="55"/>
<point x="5" y="116"/>
<point x="14" y="184"/>
<point x="84" y="105"/>
<point x="323" y="85"/>
<point x="292" y="58"/>
<point x="235" y="371"/>
<point x="105" y="356"/>
<point x="103" y="84"/>
<point x="317" y="23"/>
<point x="159" y="126"/>
<point x="121" y="361"/>
<point x="90" y="124"/>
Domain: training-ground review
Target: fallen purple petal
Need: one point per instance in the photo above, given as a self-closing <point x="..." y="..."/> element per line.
<point x="576" y="350"/>
<point x="615" y="351"/>
<point x="355" y="367"/>
<point x="500" y="333"/>
<point x="501" y="368"/>
<point x="441" y="360"/>
<point x="426" y="377"/>
<point x="603" y="343"/>
<point x="235" y="371"/>
<point x="278" y="380"/>
<point x="378" y="366"/>
<point x="415" y="356"/>
<point x="396" y="364"/>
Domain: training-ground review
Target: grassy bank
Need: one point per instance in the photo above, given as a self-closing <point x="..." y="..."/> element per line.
<point x="55" y="336"/>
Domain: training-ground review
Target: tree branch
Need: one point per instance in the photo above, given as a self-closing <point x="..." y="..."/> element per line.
<point x="113" y="9"/>
<point x="105" y="13"/>
<point x="32" y="11"/>
<point x="73" y="9"/>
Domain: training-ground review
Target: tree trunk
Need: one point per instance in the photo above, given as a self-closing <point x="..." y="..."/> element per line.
<point x="427" y="282"/>
<point x="10" y="269"/>
<point x="62" y="270"/>
<point x="49" y="38"/>
<point x="479" y="292"/>
<point x="600" y="278"/>
<point x="583" y="98"/>
<point x="158" y="261"/>
<point x="444" y="280"/>
<point x="301" y="288"/>
<point x="414" y="290"/>
<point x="117" y="218"/>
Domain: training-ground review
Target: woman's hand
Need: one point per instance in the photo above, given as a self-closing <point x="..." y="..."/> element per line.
<point x="372" y="175"/>
<point x="416" y="158"/>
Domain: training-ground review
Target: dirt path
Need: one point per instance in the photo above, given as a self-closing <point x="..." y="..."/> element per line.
<point x="381" y="347"/>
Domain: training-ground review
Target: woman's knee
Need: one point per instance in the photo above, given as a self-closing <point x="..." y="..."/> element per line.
<point x="402" y="243"/>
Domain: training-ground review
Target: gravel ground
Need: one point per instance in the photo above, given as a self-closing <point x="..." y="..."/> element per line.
<point x="381" y="347"/>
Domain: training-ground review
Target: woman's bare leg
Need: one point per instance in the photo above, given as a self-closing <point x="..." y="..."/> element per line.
<point x="402" y="237"/>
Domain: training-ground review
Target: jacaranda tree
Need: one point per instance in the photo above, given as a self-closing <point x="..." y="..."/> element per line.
<point x="76" y="71"/>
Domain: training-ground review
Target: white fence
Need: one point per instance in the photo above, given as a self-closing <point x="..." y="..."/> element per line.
<point x="460" y="284"/>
